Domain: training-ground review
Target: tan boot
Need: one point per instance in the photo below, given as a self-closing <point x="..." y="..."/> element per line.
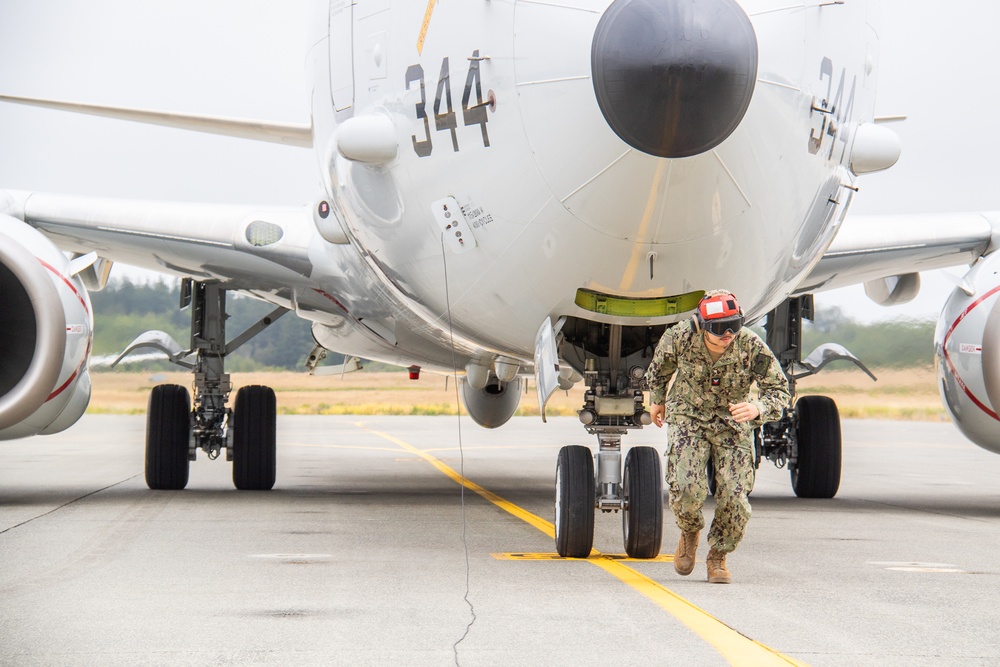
<point x="684" y="557"/>
<point x="718" y="573"/>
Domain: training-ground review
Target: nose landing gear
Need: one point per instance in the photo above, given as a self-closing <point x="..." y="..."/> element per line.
<point x="613" y="404"/>
<point x="638" y="494"/>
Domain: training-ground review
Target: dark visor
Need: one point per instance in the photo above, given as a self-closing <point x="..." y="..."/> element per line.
<point x="722" y="326"/>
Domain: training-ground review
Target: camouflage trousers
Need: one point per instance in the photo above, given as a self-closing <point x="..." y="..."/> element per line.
<point x="691" y="444"/>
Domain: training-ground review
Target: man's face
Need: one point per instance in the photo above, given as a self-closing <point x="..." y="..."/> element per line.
<point x="722" y="341"/>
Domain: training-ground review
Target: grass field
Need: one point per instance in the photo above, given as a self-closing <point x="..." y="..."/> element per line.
<point x="909" y="394"/>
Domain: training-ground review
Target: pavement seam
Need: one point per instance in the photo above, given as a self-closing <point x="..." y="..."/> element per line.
<point x="67" y="504"/>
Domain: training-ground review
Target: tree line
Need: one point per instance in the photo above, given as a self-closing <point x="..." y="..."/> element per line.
<point x="125" y="309"/>
<point x="903" y="343"/>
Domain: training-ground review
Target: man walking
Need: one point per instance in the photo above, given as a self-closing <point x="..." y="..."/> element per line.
<point x="711" y="417"/>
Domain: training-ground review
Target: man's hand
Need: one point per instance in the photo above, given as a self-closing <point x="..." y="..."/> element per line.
<point x="742" y="412"/>
<point x="657" y="412"/>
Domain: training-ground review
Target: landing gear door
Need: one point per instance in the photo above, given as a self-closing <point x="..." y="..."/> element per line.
<point x="546" y="364"/>
<point x="341" y="54"/>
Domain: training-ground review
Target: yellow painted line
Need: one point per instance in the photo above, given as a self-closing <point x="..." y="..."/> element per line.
<point x="490" y="447"/>
<point x="736" y="648"/>
<point x="555" y="556"/>
<point x="524" y="515"/>
<point x="423" y="28"/>
<point x="314" y="445"/>
<point x="628" y="278"/>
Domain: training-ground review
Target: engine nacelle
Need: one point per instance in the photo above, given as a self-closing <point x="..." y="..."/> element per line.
<point x="46" y="334"/>
<point x="967" y="355"/>
<point x="894" y="290"/>
<point x="494" y="404"/>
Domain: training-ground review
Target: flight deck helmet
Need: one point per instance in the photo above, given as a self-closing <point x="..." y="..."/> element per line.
<point x="719" y="312"/>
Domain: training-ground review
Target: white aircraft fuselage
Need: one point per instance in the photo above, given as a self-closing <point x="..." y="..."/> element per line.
<point x="492" y="105"/>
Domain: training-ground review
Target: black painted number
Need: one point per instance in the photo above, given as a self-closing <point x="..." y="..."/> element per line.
<point x="475" y="115"/>
<point x="835" y="113"/>
<point x="416" y="73"/>
<point x="445" y="121"/>
<point x="474" y="110"/>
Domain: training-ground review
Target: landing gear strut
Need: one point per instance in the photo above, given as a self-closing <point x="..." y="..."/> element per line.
<point x="176" y="431"/>
<point x="613" y="404"/>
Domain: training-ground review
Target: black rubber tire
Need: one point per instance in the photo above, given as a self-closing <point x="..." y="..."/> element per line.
<point x="817" y="472"/>
<point x="168" y="435"/>
<point x="254" y="438"/>
<point x="575" y="495"/>
<point x="642" y="488"/>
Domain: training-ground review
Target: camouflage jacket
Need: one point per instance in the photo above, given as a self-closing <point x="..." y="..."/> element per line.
<point x="703" y="389"/>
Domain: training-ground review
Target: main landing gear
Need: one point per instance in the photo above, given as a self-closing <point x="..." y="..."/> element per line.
<point x="175" y="430"/>
<point x="613" y="404"/>
<point x="807" y="439"/>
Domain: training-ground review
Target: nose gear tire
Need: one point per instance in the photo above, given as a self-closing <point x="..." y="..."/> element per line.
<point x="642" y="487"/>
<point x="575" y="495"/>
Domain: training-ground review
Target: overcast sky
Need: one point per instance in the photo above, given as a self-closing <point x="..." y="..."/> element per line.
<point x="246" y="58"/>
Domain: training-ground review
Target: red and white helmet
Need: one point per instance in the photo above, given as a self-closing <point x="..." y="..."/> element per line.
<point x="719" y="313"/>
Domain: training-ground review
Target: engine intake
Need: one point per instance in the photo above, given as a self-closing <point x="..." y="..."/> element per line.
<point x="45" y="338"/>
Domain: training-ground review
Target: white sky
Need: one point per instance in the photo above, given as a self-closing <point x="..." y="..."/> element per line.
<point x="246" y="58"/>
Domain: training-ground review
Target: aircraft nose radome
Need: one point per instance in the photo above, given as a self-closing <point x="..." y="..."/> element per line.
<point x="674" y="77"/>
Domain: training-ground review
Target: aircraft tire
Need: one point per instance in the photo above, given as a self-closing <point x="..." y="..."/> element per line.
<point x="642" y="488"/>
<point x="574" y="502"/>
<point x="817" y="472"/>
<point x="168" y="432"/>
<point x="254" y="438"/>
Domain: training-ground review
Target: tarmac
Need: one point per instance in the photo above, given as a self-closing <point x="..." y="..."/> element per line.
<point x="370" y="552"/>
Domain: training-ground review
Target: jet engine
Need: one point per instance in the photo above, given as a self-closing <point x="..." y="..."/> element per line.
<point x="46" y="333"/>
<point x="967" y="354"/>
<point x="494" y="404"/>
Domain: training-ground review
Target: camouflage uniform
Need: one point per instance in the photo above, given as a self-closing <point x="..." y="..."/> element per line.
<point x="699" y="424"/>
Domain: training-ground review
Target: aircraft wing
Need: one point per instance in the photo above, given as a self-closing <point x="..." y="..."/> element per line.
<point x="245" y="247"/>
<point x="873" y="247"/>
<point x="290" y="134"/>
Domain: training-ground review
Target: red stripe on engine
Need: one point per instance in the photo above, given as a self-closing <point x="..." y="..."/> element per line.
<point x="944" y="351"/>
<point x="68" y="283"/>
<point x="72" y="377"/>
<point x="69" y="381"/>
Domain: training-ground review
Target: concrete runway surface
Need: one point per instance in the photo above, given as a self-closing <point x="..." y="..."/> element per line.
<point x="364" y="555"/>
